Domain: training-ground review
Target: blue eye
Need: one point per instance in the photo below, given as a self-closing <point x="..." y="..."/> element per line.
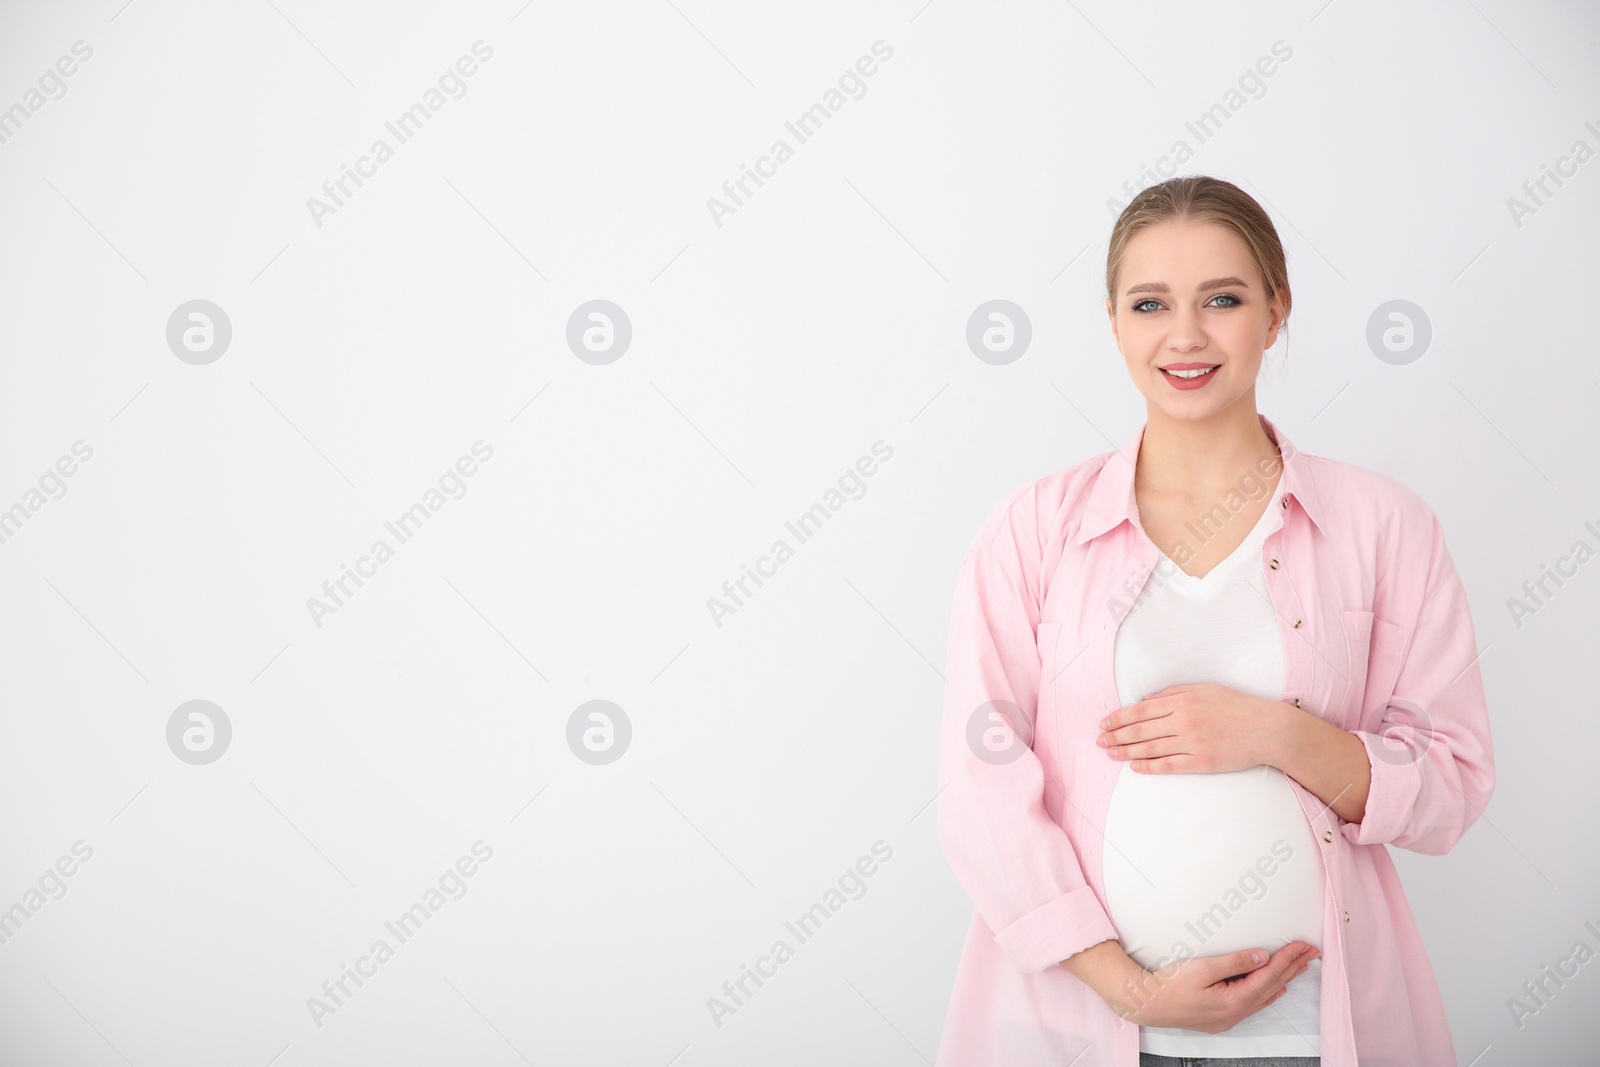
<point x="1139" y="306"/>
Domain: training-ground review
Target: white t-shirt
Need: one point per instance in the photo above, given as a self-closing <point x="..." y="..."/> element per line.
<point x="1207" y="864"/>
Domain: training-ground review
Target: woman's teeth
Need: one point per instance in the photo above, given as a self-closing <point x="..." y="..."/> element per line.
<point x="1190" y="373"/>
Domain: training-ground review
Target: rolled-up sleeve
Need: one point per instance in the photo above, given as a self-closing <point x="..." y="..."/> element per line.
<point x="1018" y="866"/>
<point x="1432" y="755"/>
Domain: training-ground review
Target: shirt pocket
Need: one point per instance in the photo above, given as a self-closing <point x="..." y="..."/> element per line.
<point x="1375" y="652"/>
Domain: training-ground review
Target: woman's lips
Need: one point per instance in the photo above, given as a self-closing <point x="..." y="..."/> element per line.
<point x="1196" y="382"/>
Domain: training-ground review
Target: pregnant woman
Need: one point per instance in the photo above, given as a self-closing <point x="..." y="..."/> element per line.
<point x="1197" y="687"/>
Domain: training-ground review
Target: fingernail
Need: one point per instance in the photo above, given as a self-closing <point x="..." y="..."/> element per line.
<point x="1257" y="957"/>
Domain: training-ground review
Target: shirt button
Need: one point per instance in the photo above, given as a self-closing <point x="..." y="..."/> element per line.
<point x="1285" y="501"/>
<point x="1347" y="916"/>
<point x="1327" y="835"/>
<point x="1274" y="564"/>
<point x="1297" y="624"/>
<point x="1296" y="702"/>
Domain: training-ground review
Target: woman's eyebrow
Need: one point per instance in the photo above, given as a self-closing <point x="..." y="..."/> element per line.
<point x="1162" y="287"/>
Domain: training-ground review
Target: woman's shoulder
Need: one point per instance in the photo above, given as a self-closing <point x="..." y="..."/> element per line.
<point x="1369" y="496"/>
<point x="1385" y="524"/>
<point x="1030" y="510"/>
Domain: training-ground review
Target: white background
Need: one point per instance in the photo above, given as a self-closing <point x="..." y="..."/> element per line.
<point x="985" y="160"/>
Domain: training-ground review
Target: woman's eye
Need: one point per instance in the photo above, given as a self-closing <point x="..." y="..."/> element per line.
<point x="1144" y="307"/>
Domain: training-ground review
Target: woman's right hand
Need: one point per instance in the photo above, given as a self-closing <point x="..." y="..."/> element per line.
<point x="1210" y="994"/>
<point x="1206" y="993"/>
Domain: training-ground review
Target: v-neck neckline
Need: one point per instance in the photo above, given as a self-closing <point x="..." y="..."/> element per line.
<point x="1229" y="563"/>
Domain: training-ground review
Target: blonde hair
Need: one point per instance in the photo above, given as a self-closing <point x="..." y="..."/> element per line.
<point x="1200" y="198"/>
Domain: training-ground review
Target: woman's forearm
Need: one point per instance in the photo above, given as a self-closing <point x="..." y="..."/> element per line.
<point x="1330" y="763"/>
<point x="1106" y="969"/>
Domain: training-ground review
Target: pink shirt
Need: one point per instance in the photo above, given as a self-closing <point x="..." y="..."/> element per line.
<point x="1379" y="641"/>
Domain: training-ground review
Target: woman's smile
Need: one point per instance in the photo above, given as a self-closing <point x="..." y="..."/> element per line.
<point x="1188" y="375"/>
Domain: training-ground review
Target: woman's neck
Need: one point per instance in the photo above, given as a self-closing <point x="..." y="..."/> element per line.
<point x="1202" y="458"/>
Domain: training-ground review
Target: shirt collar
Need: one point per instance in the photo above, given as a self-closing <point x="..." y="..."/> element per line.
<point x="1111" y="500"/>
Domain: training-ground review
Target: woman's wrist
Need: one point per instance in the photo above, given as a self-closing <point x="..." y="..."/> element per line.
<point x="1106" y="969"/>
<point x="1284" y="731"/>
<point x="1329" y="762"/>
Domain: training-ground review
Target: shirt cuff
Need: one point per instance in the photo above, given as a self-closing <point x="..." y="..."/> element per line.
<point x="1392" y="796"/>
<point x="1051" y="933"/>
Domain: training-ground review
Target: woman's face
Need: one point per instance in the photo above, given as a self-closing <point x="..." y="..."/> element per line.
<point x="1189" y="296"/>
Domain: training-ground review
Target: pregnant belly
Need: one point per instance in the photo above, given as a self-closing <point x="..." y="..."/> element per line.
<point x="1206" y="864"/>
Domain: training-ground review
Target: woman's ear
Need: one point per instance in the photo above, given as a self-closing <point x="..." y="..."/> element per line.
<point x="1275" y="323"/>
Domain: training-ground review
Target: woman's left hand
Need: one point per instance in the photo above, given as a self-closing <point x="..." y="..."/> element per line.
<point x="1196" y="729"/>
